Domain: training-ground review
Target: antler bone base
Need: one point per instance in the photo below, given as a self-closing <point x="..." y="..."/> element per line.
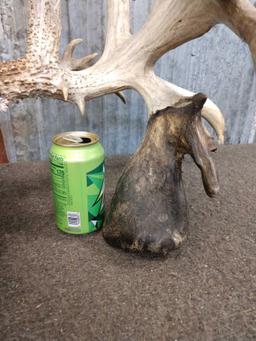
<point x="149" y="211"/>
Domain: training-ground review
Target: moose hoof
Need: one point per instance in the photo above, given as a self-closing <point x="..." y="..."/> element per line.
<point x="146" y="244"/>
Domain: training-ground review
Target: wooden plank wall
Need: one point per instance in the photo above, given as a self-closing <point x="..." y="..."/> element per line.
<point x="218" y="64"/>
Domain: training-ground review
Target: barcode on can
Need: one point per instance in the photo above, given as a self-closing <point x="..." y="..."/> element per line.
<point x="74" y="219"/>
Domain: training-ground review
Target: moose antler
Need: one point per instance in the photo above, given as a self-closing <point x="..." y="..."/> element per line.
<point x="128" y="60"/>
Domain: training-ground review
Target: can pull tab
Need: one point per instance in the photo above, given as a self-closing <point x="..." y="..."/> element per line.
<point x="74" y="139"/>
<point x="77" y="139"/>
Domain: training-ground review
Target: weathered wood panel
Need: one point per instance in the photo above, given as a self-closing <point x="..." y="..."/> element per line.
<point x="218" y="64"/>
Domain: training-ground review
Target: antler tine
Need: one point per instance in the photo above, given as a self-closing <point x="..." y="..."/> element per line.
<point x="76" y="64"/>
<point x="118" y="26"/>
<point x="44" y="32"/>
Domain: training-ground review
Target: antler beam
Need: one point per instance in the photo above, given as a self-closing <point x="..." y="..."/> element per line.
<point x="127" y="61"/>
<point x="240" y="17"/>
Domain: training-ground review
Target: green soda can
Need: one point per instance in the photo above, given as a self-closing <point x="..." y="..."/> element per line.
<point x="78" y="182"/>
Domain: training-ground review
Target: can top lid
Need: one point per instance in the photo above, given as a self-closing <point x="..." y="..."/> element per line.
<point x="75" y="139"/>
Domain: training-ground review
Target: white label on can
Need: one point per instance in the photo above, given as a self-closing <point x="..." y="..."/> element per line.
<point x="74" y="219"/>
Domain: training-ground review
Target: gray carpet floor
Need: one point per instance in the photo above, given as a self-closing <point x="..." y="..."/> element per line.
<point x="55" y="286"/>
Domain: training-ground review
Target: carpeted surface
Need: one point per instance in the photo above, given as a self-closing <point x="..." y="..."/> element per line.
<point x="59" y="287"/>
